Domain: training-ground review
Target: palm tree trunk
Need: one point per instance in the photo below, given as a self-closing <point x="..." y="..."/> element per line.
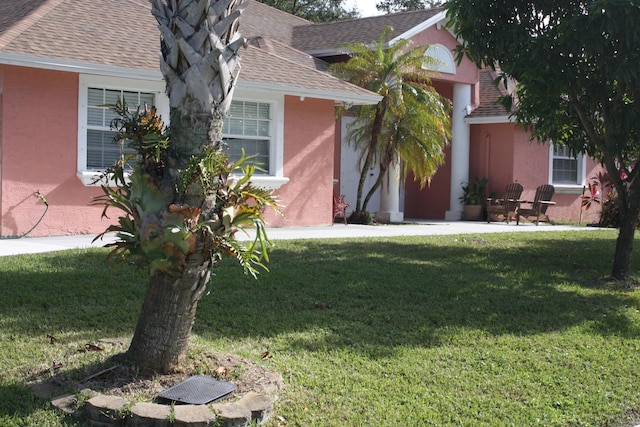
<point x="200" y="44"/>
<point x="162" y="334"/>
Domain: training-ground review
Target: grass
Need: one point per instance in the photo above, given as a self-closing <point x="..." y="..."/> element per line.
<point x="485" y="330"/>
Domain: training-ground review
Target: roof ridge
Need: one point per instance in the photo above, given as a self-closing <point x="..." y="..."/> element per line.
<point x="24" y="24"/>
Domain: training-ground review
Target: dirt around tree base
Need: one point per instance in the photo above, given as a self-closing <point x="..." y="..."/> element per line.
<point x="116" y="377"/>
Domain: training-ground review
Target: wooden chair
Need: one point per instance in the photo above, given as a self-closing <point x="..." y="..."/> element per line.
<point x="340" y="207"/>
<point x="539" y="205"/>
<point x="507" y="206"/>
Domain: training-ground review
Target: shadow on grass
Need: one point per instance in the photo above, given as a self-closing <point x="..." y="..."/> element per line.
<point x="375" y="295"/>
<point x="368" y="294"/>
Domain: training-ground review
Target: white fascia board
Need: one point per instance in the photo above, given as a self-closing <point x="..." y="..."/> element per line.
<point x="78" y="67"/>
<point x="312" y="93"/>
<point x="420" y="28"/>
<point x="133" y="73"/>
<point x="488" y="120"/>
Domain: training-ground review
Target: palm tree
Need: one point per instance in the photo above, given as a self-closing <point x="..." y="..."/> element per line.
<point x="182" y="208"/>
<point x="411" y="123"/>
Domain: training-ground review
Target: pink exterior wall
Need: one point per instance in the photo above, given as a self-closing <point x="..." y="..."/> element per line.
<point x="491" y="155"/>
<point x="39" y="153"/>
<point x="309" y="134"/>
<point x="504" y="153"/>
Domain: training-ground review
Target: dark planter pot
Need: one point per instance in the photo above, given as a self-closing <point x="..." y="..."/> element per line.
<point x="472" y="212"/>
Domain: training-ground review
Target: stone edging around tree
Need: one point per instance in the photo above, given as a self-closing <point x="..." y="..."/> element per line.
<point x="108" y="411"/>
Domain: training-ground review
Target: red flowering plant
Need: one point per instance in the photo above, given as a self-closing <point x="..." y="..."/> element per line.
<point x="599" y="187"/>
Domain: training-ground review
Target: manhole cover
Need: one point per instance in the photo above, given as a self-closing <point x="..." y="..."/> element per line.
<point x="198" y="390"/>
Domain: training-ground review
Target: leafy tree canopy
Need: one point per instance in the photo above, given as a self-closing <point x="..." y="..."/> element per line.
<point x="393" y="6"/>
<point x="314" y="10"/>
<point x="576" y="64"/>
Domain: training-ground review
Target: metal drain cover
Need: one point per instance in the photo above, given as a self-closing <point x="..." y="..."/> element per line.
<point x="198" y="390"/>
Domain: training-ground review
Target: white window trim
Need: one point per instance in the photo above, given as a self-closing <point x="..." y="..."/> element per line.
<point x="275" y="179"/>
<point x="90" y="177"/>
<point x="569" y="188"/>
<point x="442" y="54"/>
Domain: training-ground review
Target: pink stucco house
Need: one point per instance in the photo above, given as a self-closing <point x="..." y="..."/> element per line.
<point x="60" y="60"/>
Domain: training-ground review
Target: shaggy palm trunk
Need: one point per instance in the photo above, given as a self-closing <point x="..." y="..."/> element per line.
<point x="200" y="44"/>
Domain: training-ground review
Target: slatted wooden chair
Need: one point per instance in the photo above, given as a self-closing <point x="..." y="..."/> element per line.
<point x="340" y="207"/>
<point x="537" y="211"/>
<point x="508" y="205"/>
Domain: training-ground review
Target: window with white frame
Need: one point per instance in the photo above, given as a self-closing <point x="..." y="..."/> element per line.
<point x="566" y="167"/>
<point x="96" y="147"/>
<point x="248" y="130"/>
<point x="102" y="151"/>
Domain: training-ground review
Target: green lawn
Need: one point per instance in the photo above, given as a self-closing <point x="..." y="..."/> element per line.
<point x="485" y="330"/>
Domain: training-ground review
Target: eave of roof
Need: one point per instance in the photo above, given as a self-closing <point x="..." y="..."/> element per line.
<point x="70" y="35"/>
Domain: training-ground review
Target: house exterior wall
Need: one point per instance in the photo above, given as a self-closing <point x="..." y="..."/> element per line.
<point x="39" y="146"/>
<point x="492" y="155"/>
<point x="39" y="153"/>
<point x="504" y="153"/>
<point x="309" y="134"/>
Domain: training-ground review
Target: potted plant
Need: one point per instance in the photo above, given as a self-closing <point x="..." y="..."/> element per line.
<point x="472" y="197"/>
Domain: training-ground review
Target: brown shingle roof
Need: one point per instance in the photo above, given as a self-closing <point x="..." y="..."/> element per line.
<point x="489" y="96"/>
<point x="123" y="33"/>
<point x="107" y="32"/>
<point x="260" y="20"/>
<point x="329" y="36"/>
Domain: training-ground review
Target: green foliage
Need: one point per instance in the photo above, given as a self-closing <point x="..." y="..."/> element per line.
<point x="394" y="6"/>
<point x="142" y="130"/>
<point x="474" y="191"/>
<point x="576" y="68"/>
<point x="411" y="123"/>
<point x="314" y="10"/>
<point x="156" y="231"/>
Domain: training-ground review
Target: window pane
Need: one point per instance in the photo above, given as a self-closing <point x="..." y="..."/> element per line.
<point x="96" y="96"/>
<point x="147" y="99"/>
<point x="132" y="99"/>
<point x="565" y="171"/>
<point x="102" y="152"/>
<point x="250" y="128"/>
<point x="251" y="110"/>
<point x="95" y="116"/>
<point x="236" y="109"/>
<point x="235" y="126"/>
<point x="263" y="128"/>
<point x="111" y="96"/>
<point x="251" y="119"/>
<point x="257" y="149"/>
<point x="264" y="112"/>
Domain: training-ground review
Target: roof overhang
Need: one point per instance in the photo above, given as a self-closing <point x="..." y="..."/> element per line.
<point x="156" y="75"/>
<point x="488" y="120"/>
<point x="343" y="98"/>
<point x="435" y="19"/>
<point x="78" y="67"/>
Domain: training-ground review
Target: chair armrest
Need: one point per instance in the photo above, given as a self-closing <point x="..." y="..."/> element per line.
<point x="544" y="202"/>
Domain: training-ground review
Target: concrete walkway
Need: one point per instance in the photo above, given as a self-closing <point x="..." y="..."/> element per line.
<point x="30" y="245"/>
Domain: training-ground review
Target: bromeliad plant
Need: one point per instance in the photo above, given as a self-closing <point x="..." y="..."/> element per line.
<point x="156" y="231"/>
